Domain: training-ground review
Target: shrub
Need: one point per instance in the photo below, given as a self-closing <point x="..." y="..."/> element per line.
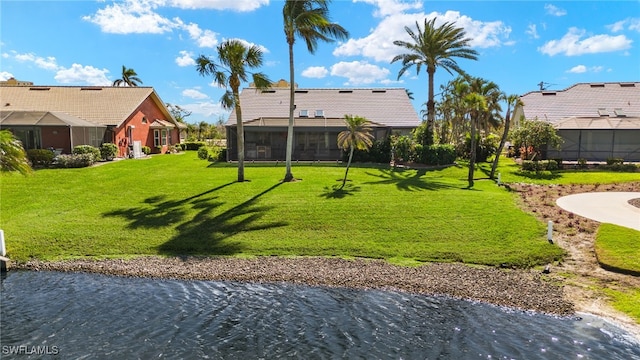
<point x="558" y="162"/>
<point x="203" y="153"/>
<point x="613" y="161"/>
<point x="402" y="148"/>
<point x="485" y="147"/>
<point x="621" y="167"/>
<point x="193" y="145"/>
<point x="108" y="151"/>
<point x="223" y="154"/>
<point x="75" y="160"/>
<point x="40" y="157"/>
<point x="380" y="152"/>
<point x="146" y="150"/>
<point x="582" y="163"/>
<point x="551" y="165"/>
<point x="537" y="166"/>
<point x="87" y="149"/>
<point x="442" y="154"/>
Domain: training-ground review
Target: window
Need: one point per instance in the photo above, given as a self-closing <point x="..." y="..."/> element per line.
<point x="304" y="113"/>
<point x="163" y="134"/>
<point x="156" y="138"/>
<point x="144" y="120"/>
<point x="319" y="113"/>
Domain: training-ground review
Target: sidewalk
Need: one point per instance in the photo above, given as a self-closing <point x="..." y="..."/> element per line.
<point x="604" y="207"/>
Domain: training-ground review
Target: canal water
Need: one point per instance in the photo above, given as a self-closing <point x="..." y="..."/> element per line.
<point x="92" y="316"/>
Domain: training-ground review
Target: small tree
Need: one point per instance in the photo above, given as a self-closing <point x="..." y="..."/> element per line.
<point x="535" y="134"/>
<point x="357" y="136"/>
<point x="12" y="154"/>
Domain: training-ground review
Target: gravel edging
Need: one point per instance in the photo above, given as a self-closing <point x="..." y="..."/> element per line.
<point x="522" y="289"/>
<point x="635" y="202"/>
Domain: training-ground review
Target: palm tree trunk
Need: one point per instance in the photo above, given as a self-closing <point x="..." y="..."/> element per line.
<point x="472" y="160"/>
<point x="240" y="138"/>
<point x="507" y="121"/>
<point x="431" y="108"/>
<point x="289" y="151"/>
<point x="344" y="181"/>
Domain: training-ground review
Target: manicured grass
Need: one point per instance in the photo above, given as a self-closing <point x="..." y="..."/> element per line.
<point x="177" y="204"/>
<point x="627" y="301"/>
<point x="510" y="173"/>
<point x="618" y="248"/>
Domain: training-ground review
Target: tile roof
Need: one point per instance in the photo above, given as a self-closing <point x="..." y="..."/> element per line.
<point x="390" y="107"/>
<point x="42" y="118"/>
<point x="102" y="105"/>
<point x="583" y="100"/>
<point x="598" y="123"/>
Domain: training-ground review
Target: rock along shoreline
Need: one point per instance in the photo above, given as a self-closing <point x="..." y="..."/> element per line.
<point x="522" y="289"/>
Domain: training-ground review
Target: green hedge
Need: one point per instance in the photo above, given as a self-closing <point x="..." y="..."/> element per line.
<point x="75" y="160"/>
<point x="87" y="149"/>
<point x="544" y="165"/>
<point x="40" y="157"/>
<point x="441" y="154"/>
<point x="108" y="151"/>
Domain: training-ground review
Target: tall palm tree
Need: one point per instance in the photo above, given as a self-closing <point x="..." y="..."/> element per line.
<point x="357" y="136"/>
<point x="432" y="47"/>
<point x="476" y="105"/>
<point x="513" y="101"/>
<point x="12" y="154"/>
<point x="235" y="58"/>
<point x="203" y="129"/>
<point x="308" y="20"/>
<point x="129" y="78"/>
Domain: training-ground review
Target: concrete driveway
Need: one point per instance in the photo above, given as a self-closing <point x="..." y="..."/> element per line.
<point x="604" y="207"/>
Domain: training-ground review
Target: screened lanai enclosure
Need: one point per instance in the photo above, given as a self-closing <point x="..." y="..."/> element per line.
<point x="598" y="139"/>
<point x="54" y="130"/>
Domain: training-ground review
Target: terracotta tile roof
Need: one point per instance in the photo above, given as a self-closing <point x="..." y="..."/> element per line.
<point x="102" y="105"/>
<point x="583" y="100"/>
<point x="389" y="107"/>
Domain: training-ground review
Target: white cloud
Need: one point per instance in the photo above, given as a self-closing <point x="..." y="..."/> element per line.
<point x="4" y="76"/>
<point x="379" y="46"/>
<point x="316" y="72"/>
<point x="131" y="16"/>
<point x="194" y="94"/>
<point x="359" y="72"/>
<point x="572" y="45"/>
<point x="579" y="69"/>
<point x="203" y="38"/>
<point x="185" y="59"/>
<point x="236" y="5"/>
<point x="212" y="111"/>
<point x="48" y="63"/>
<point x="630" y="23"/>
<point x="532" y="31"/>
<point x="78" y="74"/>
<point x="554" y="10"/>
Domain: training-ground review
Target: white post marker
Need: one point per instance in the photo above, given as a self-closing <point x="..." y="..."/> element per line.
<point x="499" y="181"/>
<point x="3" y="249"/>
<point x="550" y="231"/>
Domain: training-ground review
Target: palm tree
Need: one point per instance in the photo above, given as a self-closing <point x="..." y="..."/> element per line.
<point x="476" y="105"/>
<point x="203" y="129"/>
<point x="433" y="47"/>
<point x="12" y="154"/>
<point x="513" y="101"/>
<point x="308" y="20"/>
<point x="235" y="58"/>
<point x="357" y="136"/>
<point x="129" y="78"/>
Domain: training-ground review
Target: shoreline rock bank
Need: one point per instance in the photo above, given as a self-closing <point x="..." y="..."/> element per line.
<point x="521" y="289"/>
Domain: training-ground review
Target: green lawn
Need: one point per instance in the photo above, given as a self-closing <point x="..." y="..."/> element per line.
<point x="177" y="204"/>
<point x="510" y="173"/>
<point x="618" y="248"/>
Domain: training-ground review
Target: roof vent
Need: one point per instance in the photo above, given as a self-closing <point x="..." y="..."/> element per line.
<point x="597" y="85"/>
<point x="302" y="91"/>
<point x="319" y="113"/>
<point x="91" y="88"/>
<point x="549" y="93"/>
<point x="627" y="85"/>
<point x="345" y="91"/>
<point x="304" y="113"/>
<point x="378" y="91"/>
<point x="603" y="112"/>
<point x="268" y="91"/>
<point x="39" y="88"/>
<point x="619" y="112"/>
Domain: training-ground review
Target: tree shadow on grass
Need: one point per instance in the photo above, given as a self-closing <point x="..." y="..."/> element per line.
<point x="204" y="233"/>
<point x="339" y="192"/>
<point x="408" y="180"/>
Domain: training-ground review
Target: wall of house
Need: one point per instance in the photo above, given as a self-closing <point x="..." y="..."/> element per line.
<point x="139" y="122"/>
<point x="57" y="137"/>
<point x="598" y="145"/>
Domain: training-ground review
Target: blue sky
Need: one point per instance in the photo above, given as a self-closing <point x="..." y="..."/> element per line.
<point x="521" y="43"/>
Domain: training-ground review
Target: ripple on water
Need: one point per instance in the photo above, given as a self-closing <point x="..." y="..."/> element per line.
<point x="97" y="316"/>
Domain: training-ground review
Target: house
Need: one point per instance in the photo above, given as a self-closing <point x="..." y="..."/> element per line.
<point x="597" y="121"/>
<point x="62" y="117"/>
<point x="318" y="118"/>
